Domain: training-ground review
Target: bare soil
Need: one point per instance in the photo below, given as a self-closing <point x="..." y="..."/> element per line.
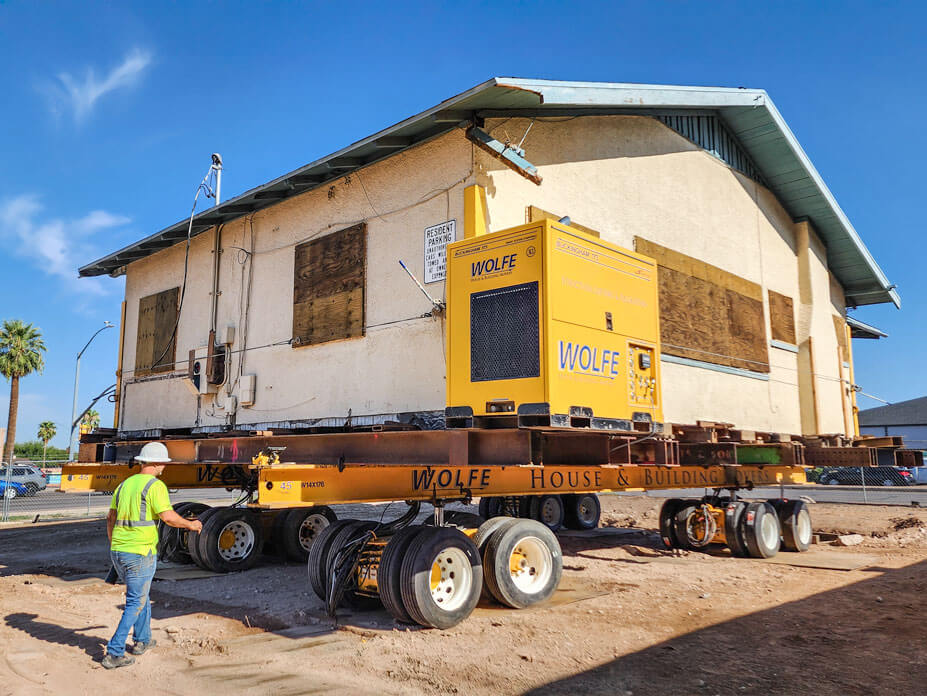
<point x="631" y="618"/>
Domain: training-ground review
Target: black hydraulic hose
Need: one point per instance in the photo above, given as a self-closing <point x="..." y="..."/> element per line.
<point x="348" y="556"/>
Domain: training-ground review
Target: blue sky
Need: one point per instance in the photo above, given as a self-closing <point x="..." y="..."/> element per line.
<point x="110" y="113"/>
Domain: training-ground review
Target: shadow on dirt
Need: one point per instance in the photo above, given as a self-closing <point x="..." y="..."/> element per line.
<point x="53" y="633"/>
<point x="861" y="639"/>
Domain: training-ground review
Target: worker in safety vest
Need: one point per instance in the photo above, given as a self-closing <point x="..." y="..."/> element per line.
<point x="132" y="528"/>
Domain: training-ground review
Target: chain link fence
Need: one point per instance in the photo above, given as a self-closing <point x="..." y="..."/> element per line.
<point x="29" y="492"/>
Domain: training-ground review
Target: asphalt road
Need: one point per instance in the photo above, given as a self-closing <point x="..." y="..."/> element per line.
<point x="53" y="502"/>
<point x="885" y="495"/>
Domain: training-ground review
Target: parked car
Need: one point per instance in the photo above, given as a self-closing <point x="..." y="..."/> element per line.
<point x="874" y="476"/>
<point x="12" y="490"/>
<point x="919" y="473"/>
<point x="30" y="477"/>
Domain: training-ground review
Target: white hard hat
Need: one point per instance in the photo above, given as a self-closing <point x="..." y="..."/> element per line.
<point x="153" y="453"/>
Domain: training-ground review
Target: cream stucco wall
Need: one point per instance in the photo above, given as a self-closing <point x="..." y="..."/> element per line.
<point x="622" y="175"/>
<point x="397" y="367"/>
<point x="628" y="176"/>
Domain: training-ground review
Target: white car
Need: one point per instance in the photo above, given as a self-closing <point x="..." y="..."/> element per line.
<point x="31" y="477"/>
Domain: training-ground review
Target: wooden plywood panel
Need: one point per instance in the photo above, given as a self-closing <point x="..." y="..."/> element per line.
<point x="328" y="287"/>
<point x="329" y="318"/>
<point x="535" y="214"/>
<point x="164" y="335"/>
<point x="707" y="313"/>
<point x="331" y="264"/>
<point x="782" y="317"/>
<point x="157" y="317"/>
<point x="841" y="330"/>
<point x="144" y="341"/>
<point x="689" y="265"/>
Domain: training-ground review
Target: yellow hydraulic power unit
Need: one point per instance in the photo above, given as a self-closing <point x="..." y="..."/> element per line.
<point x="550" y="326"/>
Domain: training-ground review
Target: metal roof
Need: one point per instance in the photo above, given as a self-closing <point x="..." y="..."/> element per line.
<point x="912" y="412"/>
<point x="860" y="329"/>
<point x="748" y="113"/>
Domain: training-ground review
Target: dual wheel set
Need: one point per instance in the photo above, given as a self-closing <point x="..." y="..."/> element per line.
<point x="572" y="510"/>
<point x="749" y="529"/>
<point x="434" y="576"/>
<point x="233" y="538"/>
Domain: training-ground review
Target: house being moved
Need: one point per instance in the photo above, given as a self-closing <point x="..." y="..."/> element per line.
<point x="318" y="325"/>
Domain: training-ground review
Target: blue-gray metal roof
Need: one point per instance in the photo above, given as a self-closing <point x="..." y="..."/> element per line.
<point x="748" y="113"/>
<point x="860" y="329"/>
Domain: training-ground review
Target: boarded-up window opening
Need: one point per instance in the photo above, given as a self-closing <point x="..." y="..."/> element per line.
<point x="535" y="214"/>
<point x="782" y="317"/>
<point x="706" y="313"/>
<point x="156" y="342"/>
<point x="840" y="327"/>
<point x="328" y="287"/>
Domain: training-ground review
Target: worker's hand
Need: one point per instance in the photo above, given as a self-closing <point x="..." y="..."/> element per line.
<point x="195" y="526"/>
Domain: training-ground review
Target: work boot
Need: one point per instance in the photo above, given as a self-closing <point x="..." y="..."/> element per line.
<point x="112" y="662"/>
<point x="140" y="648"/>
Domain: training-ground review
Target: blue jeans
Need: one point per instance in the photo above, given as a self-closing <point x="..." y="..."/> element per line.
<point x="137" y="572"/>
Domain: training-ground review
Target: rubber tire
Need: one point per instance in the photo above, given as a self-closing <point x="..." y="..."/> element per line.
<point x="572" y="505"/>
<point x="31" y="489"/>
<point x="318" y="557"/>
<point x="486" y="530"/>
<point x="492" y="507"/>
<point x="751" y="524"/>
<point x="389" y="573"/>
<point x="496" y="558"/>
<point x="350" y="598"/>
<point x="276" y="534"/>
<point x="166" y="534"/>
<point x="537" y="504"/>
<point x="680" y="519"/>
<point x="668" y="522"/>
<point x="193" y="538"/>
<point x="789" y="514"/>
<point x="208" y="539"/>
<point x="182" y="554"/>
<point x="415" y="577"/>
<point x="293" y="521"/>
<point x="733" y="530"/>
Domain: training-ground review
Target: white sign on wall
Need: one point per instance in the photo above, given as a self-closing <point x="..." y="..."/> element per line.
<point x="437" y="237"/>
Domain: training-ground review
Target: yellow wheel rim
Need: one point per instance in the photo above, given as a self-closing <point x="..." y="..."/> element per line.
<point x="227" y="539"/>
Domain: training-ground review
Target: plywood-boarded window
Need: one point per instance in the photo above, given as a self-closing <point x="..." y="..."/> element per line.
<point x="328" y="287"/>
<point x="706" y="313"/>
<point x="156" y="341"/>
<point x="840" y="327"/>
<point x="782" y="317"/>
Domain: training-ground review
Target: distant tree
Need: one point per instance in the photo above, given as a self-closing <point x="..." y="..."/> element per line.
<point x="21" y="349"/>
<point x="32" y="449"/>
<point x="47" y="430"/>
<point x="91" y="419"/>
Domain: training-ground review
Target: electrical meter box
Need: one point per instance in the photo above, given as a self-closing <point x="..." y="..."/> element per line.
<point x="550" y="326"/>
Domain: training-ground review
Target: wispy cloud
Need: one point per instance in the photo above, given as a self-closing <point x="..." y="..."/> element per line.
<point x="55" y="246"/>
<point x="82" y="93"/>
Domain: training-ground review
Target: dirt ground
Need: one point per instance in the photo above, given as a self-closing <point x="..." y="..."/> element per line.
<point x="630" y="619"/>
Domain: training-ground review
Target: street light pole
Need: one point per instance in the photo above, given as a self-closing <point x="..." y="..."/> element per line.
<point x="106" y="325"/>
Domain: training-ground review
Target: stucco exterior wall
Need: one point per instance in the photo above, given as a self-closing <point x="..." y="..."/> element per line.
<point x="628" y="176"/>
<point x="397" y="367"/>
<point x="624" y="176"/>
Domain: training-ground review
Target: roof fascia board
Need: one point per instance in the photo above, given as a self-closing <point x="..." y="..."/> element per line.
<point x="854" y="237"/>
<point x="612" y="94"/>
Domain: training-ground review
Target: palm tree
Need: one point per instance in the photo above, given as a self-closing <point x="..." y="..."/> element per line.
<point x="47" y="430"/>
<point x="90" y="420"/>
<point x="21" y="348"/>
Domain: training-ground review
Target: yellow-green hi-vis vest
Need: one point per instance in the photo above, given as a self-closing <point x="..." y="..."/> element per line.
<point x="138" y="501"/>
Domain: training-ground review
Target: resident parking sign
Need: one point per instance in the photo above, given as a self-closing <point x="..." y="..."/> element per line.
<point x="437" y="237"/>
